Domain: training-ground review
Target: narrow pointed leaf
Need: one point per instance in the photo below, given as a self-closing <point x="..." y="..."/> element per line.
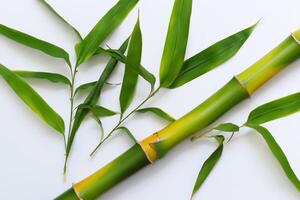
<point x="53" y="77"/>
<point x="212" y="57"/>
<point x="176" y="42"/>
<point x="32" y="99"/>
<point x="98" y="111"/>
<point x="54" y="12"/>
<point x="208" y="165"/>
<point x="275" y="109"/>
<point x="227" y="127"/>
<point x="89" y="86"/>
<point x="158" y="112"/>
<point x="93" y="97"/>
<point x="85" y="87"/>
<point x="128" y="132"/>
<point x="98" y="121"/>
<point x="99" y="50"/>
<point x="133" y="62"/>
<point x="142" y="71"/>
<point x="35" y="43"/>
<point x="109" y="22"/>
<point x="278" y="153"/>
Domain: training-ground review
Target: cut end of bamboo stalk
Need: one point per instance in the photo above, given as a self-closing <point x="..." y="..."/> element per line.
<point x="148" y="150"/>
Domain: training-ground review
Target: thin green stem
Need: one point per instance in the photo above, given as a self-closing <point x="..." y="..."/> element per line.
<point x="72" y="95"/>
<point x="123" y="119"/>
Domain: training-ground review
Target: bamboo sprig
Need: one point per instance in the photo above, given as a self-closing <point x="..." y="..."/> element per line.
<point x="270" y="111"/>
<point x="86" y="47"/>
<point x="123" y="119"/>
<point x="187" y="70"/>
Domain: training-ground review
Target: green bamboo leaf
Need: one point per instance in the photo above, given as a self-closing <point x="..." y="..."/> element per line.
<point x="98" y="111"/>
<point x="32" y="99"/>
<point x="99" y="50"/>
<point x="158" y="112"/>
<point x="89" y="86"/>
<point x="98" y="121"/>
<point x="109" y="22"/>
<point x="128" y="132"/>
<point x="176" y="42"/>
<point x="53" y="11"/>
<point x="93" y="97"/>
<point x="85" y="87"/>
<point x="227" y="127"/>
<point x="278" y="153"/>
<point x="53" y="77"/>
<point x="142" y="71"/>
<point x="133" y="62"/>
<point x="35" y="43"/>
<point x="208" y="165"/>
<point x="212" y="57"/>
<point x="275" y="109"/>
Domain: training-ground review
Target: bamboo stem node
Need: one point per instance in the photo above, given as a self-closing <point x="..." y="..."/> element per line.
<point x="243" y="86"/>
<point x="296" y="38"/>
<point x="149" y="151"/>
<point x="76" y="191"/>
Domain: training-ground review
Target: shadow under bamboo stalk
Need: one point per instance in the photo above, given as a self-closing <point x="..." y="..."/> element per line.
<point x="158" y="144"/>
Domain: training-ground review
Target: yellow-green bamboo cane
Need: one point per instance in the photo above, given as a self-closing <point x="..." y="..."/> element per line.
<point x="158" y="144"/>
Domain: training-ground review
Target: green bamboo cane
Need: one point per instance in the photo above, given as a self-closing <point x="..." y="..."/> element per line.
<point x="157" y="145"/>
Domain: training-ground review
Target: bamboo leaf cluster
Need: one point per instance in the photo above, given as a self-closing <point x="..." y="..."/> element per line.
<point x="85" y="49"/>
<point x="175" y="70"/>
<point x="268" y="112"/>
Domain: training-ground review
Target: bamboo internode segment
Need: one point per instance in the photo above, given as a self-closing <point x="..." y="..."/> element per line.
<point x="200" y="117"/>
<point x="113" y="173"/>
<point x="271" y="64"/>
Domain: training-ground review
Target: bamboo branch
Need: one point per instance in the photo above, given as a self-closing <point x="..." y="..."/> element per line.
<point x="157" y="145"/>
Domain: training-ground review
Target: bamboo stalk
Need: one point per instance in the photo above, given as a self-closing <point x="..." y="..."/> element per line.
<point x="158" y="144"/>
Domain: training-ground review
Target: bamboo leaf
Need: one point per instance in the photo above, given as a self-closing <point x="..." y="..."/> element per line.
<point x="158" y="112"/>
<point x="130" y="78"/>
<point x="109" y="22"/>
<point x="227" y="127"/>
<point x="212" y="57"/>
<point x="89" y="86"/>
<point x="142" y="71"/>
<point x="93" y="97"/>
<point x="53" y="77"/>
<point x="98" y="121"/>
<point x="32" y="99"/>
<point x="98" y="111"/>
<point x="128" y="132"/>
<point x="99" y="50"/>
<point x="275" y="109"/>
<point x="85" y="87"/>
<point x="54" y="12"/>
<point x="176" y="42"/>
<point x="209" y="165"/>
<point x="34" y="43"/>
<point x="278" y="153"/>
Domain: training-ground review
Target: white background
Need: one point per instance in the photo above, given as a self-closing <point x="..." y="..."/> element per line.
<point x="32" y="154"/>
